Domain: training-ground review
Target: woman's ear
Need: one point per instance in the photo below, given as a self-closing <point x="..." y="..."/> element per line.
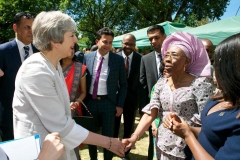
<point x="188" y="60"/>
<point x="54" y="44"/>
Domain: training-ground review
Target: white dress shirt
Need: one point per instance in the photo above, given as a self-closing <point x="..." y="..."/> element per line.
<point x="21" y="49"/>
<point x="158" y="61"/>
<point x="42" y="108"/>
<point x="102" y="84"/>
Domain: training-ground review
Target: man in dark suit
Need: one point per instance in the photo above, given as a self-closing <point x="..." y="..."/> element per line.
<point x="150" y="72"/>
<point x="1" y="107"/>
<point x="12" y="54"/>
<point x="78" y="54"/>
<point x="106" y="85"/>
<point x="210" y="50"/>
<point x="132" y="64"/>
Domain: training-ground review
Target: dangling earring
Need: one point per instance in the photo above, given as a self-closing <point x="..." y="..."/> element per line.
<point x="184" y="68"/>
<point x="217" y="91"/>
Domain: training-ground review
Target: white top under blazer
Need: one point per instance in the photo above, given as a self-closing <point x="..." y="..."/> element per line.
<point x="41" y="105"/>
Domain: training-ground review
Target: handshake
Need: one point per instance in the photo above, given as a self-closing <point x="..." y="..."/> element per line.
<point x="52" y="146"/>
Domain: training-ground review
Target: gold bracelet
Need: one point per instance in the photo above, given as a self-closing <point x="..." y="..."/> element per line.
<point x="135" y="135"/>
<point x="110" y="144"/>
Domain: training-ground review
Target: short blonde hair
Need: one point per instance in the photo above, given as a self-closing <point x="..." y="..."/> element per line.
<point x="51" y="26"/>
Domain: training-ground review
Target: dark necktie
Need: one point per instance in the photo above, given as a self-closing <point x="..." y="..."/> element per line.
<point x="160" y="74"/>
<point x="127" y="66"/>
<point x="95" y="85"/>
<point x="26" y="49"/>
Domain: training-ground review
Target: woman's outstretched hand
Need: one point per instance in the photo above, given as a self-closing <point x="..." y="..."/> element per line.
<point x="116" y="147"/>
<point x="129" y="142"/>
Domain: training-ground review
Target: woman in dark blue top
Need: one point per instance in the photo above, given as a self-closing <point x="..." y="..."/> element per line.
<point x="219" y="136"/>
<point x="220" y="132"/>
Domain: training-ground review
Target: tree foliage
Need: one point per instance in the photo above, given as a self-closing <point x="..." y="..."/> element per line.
<point x="92" y="15"/>
<point x="8" y="9"/>
<point x="120" y="15"/>
<point x="127" y="15"/>
<point x="157" y="11"/>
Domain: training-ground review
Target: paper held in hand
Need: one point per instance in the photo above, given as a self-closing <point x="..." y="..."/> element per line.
<point x="26" y="148"/>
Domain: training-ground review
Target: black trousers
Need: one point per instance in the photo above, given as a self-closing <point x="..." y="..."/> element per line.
<point x="129" y="114"/>
<point x="150" y="146"/>
<point x="7" y="133"/>
<point x="103" y="112"/>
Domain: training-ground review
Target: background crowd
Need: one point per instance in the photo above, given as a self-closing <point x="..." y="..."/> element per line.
<point x="45" y="80"/>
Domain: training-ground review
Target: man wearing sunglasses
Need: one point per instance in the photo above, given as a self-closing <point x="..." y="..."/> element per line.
<point x="12" y="54"/>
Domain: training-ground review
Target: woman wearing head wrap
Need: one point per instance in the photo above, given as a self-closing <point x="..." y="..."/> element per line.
<point x="219" y="135"/>
<point x="185" y="93"/>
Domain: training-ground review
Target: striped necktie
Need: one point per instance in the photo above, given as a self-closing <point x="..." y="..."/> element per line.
<point x="26" y="49"/>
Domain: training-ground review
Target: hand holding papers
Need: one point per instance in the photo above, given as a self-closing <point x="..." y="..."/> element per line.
<point x="22" y="149"/>
<point x="52" y="147"/>
<point x="28" y="148"/>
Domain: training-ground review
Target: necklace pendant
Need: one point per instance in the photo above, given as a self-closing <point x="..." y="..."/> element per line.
<point x="221" y="114"/>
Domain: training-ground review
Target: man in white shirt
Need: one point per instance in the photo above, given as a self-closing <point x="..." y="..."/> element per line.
<point x="12" y="54"/>
<point x="106" y="85"/>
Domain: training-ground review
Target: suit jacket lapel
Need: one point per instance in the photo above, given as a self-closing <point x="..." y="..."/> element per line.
<point x="34" y="48"/>
<point x="133" y="65"/>
<point x="120" y="53"/>
<point x="154" y="64"/>
<point x="110" y="66"/>
<point x="110" y="62"/>
<point x="15" y="55"/>
<point x="91" y="62"/>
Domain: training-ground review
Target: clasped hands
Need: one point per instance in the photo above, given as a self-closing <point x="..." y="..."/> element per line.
<point x="74" y="105"/>
<point x="177" y="125"/>
<point x="120" y="147"/>
<point x="172" y="122"/>
<point x="129" y="142"/>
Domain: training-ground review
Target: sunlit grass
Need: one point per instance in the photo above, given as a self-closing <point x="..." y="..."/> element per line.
<point x="138" y="152"/>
